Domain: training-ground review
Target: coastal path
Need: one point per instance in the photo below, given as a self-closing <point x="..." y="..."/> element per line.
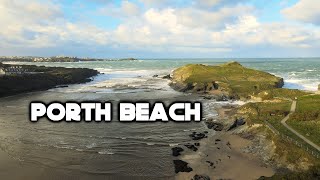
<point x="283" y="122"/>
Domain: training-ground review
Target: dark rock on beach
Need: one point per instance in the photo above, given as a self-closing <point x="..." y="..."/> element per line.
<point x="210" y="163"/>
<point x="197" y="144"/>
<point x="236" y="123"/>
<point x="192" y="147"/>
<point x="214" y="125"/>
<point x="201" y="177"/>
<point x="181" y="166"/>
<point x="176" y="151"/>
<point x="197" y="136"/>
<point x="26" y="78"/>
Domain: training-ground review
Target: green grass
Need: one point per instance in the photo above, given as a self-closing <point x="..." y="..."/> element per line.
<point x="274" y="112"/>
<point x="260" y="111"/>
<point x="230" y="77"/>
<point x="282" y="93"/>
<point x="306" y="119"/>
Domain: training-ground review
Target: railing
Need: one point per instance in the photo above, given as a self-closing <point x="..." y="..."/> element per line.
<point x="313" y="152"/>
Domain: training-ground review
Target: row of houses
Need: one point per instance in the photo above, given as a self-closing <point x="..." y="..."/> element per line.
<point x="12" y="70"/>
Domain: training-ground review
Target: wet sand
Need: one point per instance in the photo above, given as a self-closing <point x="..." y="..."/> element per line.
<point x="12" y="169"/>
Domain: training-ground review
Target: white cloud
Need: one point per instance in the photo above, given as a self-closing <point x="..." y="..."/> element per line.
<point x="126" y="9"/>
<point x="248" y="31"/>
<point x="23" y="21"/>
<point x="192" y="17"/>
<point x="212" y="3"/>
<point x="130" y="8"/>
<point x="224" y="29"/>
<point x="307" y="11"/>
<point x="156" y="3"/>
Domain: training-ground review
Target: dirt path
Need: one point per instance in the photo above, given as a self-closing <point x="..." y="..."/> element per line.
<point x="283" y="122"/>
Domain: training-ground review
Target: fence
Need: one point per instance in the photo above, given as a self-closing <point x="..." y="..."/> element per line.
<point x="313" y="152"/>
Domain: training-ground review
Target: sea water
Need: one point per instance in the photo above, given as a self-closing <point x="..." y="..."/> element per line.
<point x="122" y="149"/>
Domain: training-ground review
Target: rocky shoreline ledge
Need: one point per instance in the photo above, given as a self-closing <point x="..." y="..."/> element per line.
<point x="16" y="79"/>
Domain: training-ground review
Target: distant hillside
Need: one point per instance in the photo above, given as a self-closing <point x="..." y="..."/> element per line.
<point x="56" y="59"/>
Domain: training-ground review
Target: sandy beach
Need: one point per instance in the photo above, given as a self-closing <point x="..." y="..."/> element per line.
<point x="222" y="156"/>
<point x="224" y="150"/>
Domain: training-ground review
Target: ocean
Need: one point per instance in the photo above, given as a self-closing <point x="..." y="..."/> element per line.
<point x="115" y="149"/>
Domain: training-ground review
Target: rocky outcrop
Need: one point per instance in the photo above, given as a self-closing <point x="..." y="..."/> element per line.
<point x="191" y="147"/>
<point x="198" y="136"/>
<point x="176" y="151"/>
<point x="35" y="78"/>
<point x="229" y="81"/>
<point x="166" y="76"/>
<point x="181" y="166"/>
<point x="214" y="125"/>
<point x="236" y="123"/>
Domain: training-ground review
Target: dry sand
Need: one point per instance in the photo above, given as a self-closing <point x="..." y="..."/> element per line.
<point x="229" y="160"/>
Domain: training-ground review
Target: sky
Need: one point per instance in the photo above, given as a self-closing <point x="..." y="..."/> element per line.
<point x="160" y="28"/>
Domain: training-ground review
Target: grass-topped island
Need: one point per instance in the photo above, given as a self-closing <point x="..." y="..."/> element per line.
<point x="230" y="79"/>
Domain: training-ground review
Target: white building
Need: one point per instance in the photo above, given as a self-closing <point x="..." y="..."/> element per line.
<point x="2" y="72"/>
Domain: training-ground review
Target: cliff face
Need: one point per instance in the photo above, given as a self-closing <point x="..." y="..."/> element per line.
<point x="231" y="79"/>
<point x="34" y="78"/>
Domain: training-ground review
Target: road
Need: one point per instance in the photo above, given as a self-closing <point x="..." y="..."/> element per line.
<point x="283" y="122"/>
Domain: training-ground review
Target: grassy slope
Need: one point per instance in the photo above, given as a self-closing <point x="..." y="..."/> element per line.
<point x="306" y="119"/>
<point x="274" y="111"/>
<point x="258" y="112"/>
<point x="281" y="93"/>
<point x="230" y="77"/>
